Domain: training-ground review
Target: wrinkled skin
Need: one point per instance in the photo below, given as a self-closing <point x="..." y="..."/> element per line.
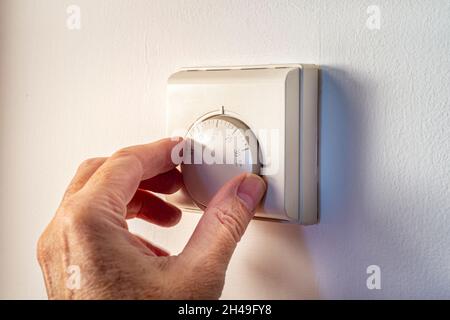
<point x="90" y="230"/>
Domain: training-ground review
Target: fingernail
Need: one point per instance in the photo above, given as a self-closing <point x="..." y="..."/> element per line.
<point x="251" y="190"/>
<point x="176" y="138"/>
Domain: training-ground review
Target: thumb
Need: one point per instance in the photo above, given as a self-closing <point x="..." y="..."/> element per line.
<point x="225" y="220"/>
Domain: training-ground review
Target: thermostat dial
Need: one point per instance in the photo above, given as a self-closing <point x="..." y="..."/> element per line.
<point x="218" y="148"/>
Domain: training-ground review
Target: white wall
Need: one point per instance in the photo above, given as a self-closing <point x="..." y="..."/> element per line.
<point x="385" y="191"/>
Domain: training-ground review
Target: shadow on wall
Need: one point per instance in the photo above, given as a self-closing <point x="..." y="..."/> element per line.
<point x="336" y="244"/>
<point x="305" y="260"/>
<point x="283" y="263"/>
<point x="342" y="138"/>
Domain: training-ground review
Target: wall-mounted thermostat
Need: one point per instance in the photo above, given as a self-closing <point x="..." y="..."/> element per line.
<point x="258" y="119"/>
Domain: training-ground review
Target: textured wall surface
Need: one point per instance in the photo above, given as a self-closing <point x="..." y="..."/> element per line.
<point x="385" y="148"/>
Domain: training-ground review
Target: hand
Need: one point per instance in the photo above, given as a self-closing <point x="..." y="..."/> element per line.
<point x="90" y="231"/>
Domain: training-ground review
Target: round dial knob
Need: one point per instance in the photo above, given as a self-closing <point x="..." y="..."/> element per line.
<point x="221" y="147"/>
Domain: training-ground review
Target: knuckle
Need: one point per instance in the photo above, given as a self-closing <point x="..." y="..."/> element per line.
<point x="85" y="212"/>
<point x="106" y="174"/>
<point x="42" y="248"/>
<point x="85" y="208"/>
<point x="87" y="163"/>
<point x="72" y="221"/>
<point x="73" y="214"/>
<point x="125" y="153"/>
<point x="232" y="218"/>
<point x="129" y="155"/>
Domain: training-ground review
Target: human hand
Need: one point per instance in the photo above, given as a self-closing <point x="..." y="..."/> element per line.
<point x="90" y="230"/>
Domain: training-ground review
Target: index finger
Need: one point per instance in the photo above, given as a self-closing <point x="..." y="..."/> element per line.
<point x="121" y="173"/>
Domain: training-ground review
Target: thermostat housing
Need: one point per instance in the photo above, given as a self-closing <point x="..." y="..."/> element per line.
<point x="279" y="104"/>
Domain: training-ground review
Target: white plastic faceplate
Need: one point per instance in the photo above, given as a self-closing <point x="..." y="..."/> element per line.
<point x="280" y="101"/>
